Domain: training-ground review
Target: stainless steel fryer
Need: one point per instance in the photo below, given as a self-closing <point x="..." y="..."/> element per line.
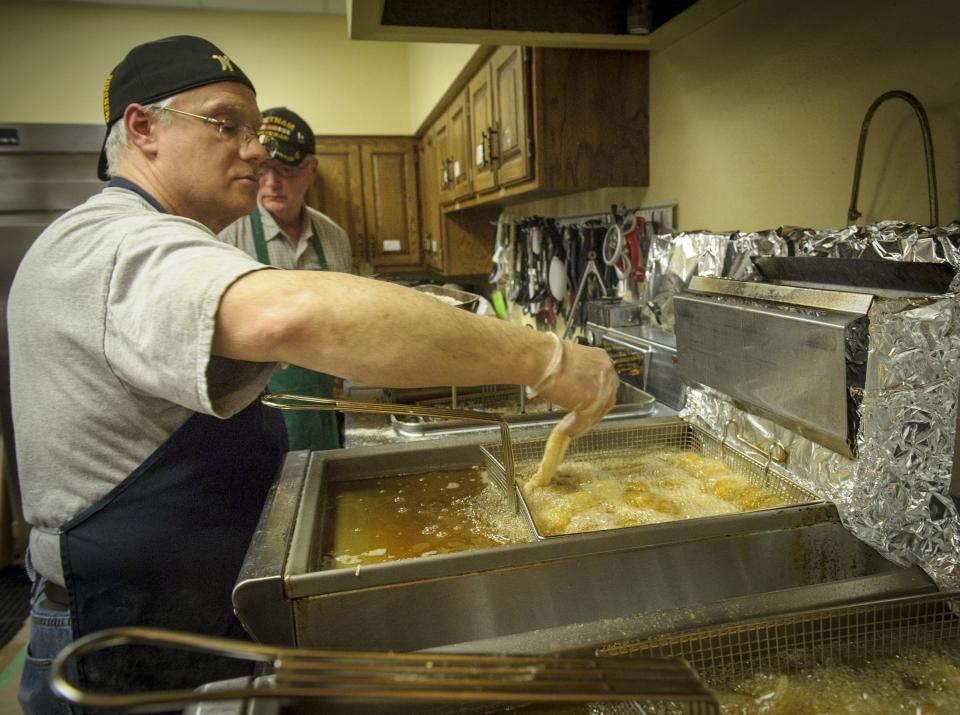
<point x="554" y="595"/>
<point x="659" y="433"/>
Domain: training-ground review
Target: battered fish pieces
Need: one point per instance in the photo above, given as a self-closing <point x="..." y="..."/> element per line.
<point x="663" y="485"/>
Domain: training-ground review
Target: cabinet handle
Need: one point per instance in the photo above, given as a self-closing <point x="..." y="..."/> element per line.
<point x="494" y="145"/>
<point x="445" y="174"/>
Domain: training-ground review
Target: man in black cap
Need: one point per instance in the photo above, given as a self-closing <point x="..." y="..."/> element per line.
<point x="282" y="231"/>
<point x="139" y="346"/>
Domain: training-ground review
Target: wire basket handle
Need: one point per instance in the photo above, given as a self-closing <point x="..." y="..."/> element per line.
<point x="776" y="452"/>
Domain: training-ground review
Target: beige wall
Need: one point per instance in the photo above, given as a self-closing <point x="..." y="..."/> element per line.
<point x="755" y="117"/>
<point x="433" y="67"/>
<point x="61" y="54"/>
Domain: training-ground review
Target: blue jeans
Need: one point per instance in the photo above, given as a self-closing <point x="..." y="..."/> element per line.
<point x="50" y="632"/>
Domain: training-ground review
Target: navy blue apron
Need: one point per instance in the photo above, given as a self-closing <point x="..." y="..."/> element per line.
<point x="164" y="547"/>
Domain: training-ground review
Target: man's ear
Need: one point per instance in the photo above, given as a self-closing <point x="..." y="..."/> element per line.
<point x="140" y="128"/>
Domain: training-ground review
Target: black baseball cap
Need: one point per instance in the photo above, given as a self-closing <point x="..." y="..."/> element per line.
<point x="295" y="139"/>
<point x="159" y="69"/>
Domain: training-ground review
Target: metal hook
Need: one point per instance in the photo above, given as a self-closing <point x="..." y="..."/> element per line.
<point x="852" y="213"/>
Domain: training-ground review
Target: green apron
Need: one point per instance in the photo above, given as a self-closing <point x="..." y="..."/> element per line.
<point x="307" y="429"/>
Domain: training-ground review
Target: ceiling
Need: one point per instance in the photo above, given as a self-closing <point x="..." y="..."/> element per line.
<point x="315" y="7"/>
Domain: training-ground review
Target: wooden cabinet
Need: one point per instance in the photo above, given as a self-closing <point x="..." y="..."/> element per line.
<point x="501" y="146"/>
<point x="390" y="202"/>
<point x="539" y="122"/>
<point x="547" y="121"/>
<point x="457" y="243"/>
<point x="482" y="130"/>
<point x="520" y="124"/>
<point x="513" y="147"/>
<point x="338" y="191"/>
<point x="429" y="195"/>
<point x="369" y="187"/>
<point x="453" y="142"/>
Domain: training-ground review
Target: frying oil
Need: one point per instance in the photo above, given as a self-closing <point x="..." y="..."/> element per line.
<point x="369" y="521"/>
<point x="590" y="494"/>
<point x="918" y="682"/>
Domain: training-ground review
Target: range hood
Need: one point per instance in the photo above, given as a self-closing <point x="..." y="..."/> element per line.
<point x="604" y="24"/>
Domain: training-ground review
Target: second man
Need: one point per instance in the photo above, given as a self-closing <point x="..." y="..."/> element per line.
<point x="286" y="233"/>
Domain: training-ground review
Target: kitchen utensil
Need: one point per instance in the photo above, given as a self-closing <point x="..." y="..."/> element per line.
<point x="423" y="677"/>
<point x="557" y="279"/>
<point x="612" y="244"/>
<point x="500" y="251"/>
<point x="590" y="270"/>
<point x="635" y="252"/>
<point x="499" y="305"/>
<point x="516" y="292"/>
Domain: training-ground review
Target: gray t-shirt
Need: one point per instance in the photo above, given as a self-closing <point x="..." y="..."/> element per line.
<point x="280" y="249"/>
<point x="111" y="320"/>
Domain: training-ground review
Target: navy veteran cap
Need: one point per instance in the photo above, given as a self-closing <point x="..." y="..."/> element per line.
<point x="295" y="140"/>
<point x="159" y="69"/>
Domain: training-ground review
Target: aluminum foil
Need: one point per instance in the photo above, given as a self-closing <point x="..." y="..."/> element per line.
<point x="673" y="259"/>
<point x="895" y="494"/>
<point x="890" y="240"/>
<point x="744" y="246"/>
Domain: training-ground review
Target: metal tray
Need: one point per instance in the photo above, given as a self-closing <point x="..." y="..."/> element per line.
<point x="670" y="433"/>
<point x="451" y="296"/>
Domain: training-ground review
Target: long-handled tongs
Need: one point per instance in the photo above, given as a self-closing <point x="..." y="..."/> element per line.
<point x="423" y="677"/>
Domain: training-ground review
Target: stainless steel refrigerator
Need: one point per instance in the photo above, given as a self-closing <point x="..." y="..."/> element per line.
<point x="45" y="169"/>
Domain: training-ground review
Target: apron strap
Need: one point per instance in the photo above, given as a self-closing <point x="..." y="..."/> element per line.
<point x="318" y="249"/>
<point x="258" y="239"/>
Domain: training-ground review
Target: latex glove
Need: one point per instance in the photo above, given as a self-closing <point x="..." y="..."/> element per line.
<point x="579" y="378"/>
<point x="597" y="369"/>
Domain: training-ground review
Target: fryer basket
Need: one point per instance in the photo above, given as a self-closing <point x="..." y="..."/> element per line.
<point x="793" y="642"/>
<point x="654" y="433"/>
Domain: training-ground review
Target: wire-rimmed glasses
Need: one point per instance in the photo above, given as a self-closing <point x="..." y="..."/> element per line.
<point x="233" y="130"/>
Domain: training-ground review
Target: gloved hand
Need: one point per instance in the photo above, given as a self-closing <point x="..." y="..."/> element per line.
<point x="581" y="379"/>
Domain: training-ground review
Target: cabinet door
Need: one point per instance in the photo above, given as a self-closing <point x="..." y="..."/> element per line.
<point x="458" y="120"/>
<point x="511" y="114"/>
<point x="443" y="162"/>
<point x="390" y="202"/>
<point x="337" y="191"/>
<point x="480" y="94"/>
<point x="429" y="196"/>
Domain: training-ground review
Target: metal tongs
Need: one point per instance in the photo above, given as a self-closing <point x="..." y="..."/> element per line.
<point x="430" y="677"/>
<point x="303" y="402"/>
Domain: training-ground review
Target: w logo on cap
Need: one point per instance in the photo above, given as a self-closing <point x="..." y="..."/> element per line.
<point x="225" y="64"/>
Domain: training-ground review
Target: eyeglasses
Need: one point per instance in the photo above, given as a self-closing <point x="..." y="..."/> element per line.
<point x="281" y="170"/>
<point x="231" y="130"/>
